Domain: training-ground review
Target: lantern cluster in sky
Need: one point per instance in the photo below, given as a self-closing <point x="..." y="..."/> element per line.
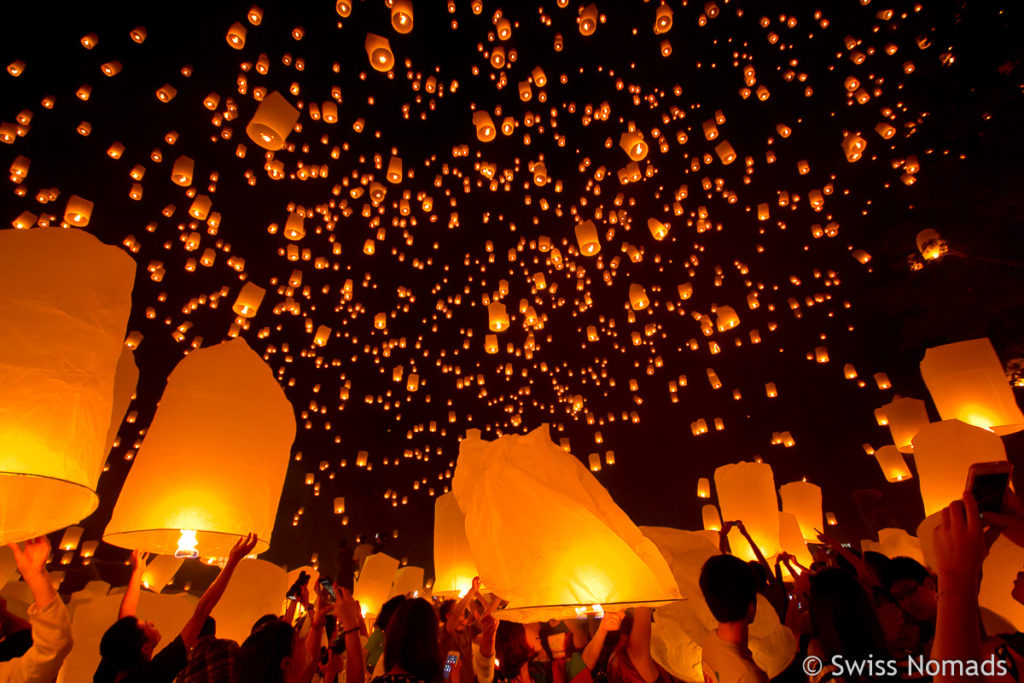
<point x="428" y="219"/>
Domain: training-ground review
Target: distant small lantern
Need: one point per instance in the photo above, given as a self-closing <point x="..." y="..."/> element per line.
<point x="703" y="488"/>
<point x="906" y="416"/>
<point x="893" y="464"/>
<point x="401" y="16"/>
<point x="710" y="517"/>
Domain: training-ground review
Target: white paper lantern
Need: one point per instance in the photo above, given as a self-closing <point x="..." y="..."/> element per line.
<point x="257" y="588"/>
<point x="64" y="304"/>
<point x="746" y="493"/>
<point x="803" y="499"/>
<point x="214" y="459"/>
<point x="519" y="493"/>
<point x="373" y="587"/>
<point x="454" y="567"/>
<point x="944" y="452"/>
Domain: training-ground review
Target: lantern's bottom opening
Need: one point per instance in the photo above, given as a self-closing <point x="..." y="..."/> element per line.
<point x="32" y="505"/>
<point x="213" y="545"/>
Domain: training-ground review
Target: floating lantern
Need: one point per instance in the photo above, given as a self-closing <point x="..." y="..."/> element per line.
<point x="485" y="131"/>
<point x="633" y="144"/>
<point x="78" y="211"/>
<point x="746" y="492"/>
<point x="65" y="298"/>
<point x="408" y="581"/>
<point x="497" y="317"/>
<point x="454" y="568"/>
<point x="256" y="588"/>
<point x="906" y="416"/>
<point x="515" y="492"/>
<point x="659" y="230"/>
<point x="236" y="35"/>
<point x="710" y="517"/>
<point x="295" y="227"/>
<point x="803" y="499"/>
<point x="401" y="16"/>
<point x="703" y="488"/>
<point x="272" y="122"/>
<point x="726" y="154"/>
<point x="893" y="464"/>
<point x="943" y="452"/>
<point x="638" y="300"/>
<point x="853" y="147"/>
<point x="72" y="536"/>
<point x="491" y="343"/>
<point x="726" y="318"/>
<point x="586" y="238"/>
<point x="378" y="50"/>
<point x="967" y="383"/>
<point x="181" y="173"/>
<point x="214" y="458"/>
<point x="588" y="20"/>
<point x="662" y="19"/>
<point x="249" y="299"/>
<point x="373" y="586"/>
<point x="930" y="244"/>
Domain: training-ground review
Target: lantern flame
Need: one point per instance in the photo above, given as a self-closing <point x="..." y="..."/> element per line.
<point x="187" y="545"/>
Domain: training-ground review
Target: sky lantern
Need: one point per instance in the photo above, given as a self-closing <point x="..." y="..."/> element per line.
<point x="181" y="173"/>
<point x="373" y="587"/>
<point x="214" y="459"/>
<point x="249" y="299"/>
<point x="726" y="318"/>
<point x="516" y="493"/>
<point x="632" y="142"/>
<point x="65" y="298"/>
<point x="236" y="35"/>
<point x="78" y="211"/>
<point x="454" y="567"/>
<point x="905" y="416"/>
<point x="638" y="300"/>
<point x="659" y="230"/>
<point x="485" y="131"/>
<point x="587" y="239"/>
<point x="272" y="122"/>
<point x="967" y="382"/>
<point x="257" y="587"/>
<point x="401" y="16"/>
<point x="408" y="581"/>
<point x="803" y="499"/>
<point x="930" y="244"/>
<point x="703" y="488"/>
<point x="497" y="317"/>
<point x="662" y="19"/>
<point x="710" y="517"/>
<point x="588" y="20"/>
<point x="893" y="464"/>
<point x="746" y="492"/>
<point x="378" y="50"/>
<point x="343" y="8"/>
<point x="943" y="452"/>
<point x="853" y="147"/>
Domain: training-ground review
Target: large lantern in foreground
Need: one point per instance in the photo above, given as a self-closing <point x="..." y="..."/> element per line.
<point x="214" y="460"/>
<point x="517" y="493"/>
<point x="64" y="304"/>
<point x="454" y="567"/>
<point x="746" y="493"/>
<point x="967" y="383"/>
<point x="944" y="452"/>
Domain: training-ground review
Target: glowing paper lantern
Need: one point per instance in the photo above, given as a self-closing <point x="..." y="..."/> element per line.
<point x="72" y="535"/>
<point x="378" y="50"/>
<point x="236" y="35"/>
<point x="373" y="586"/>
<point x="680" y="628"/>
<point x="943" y="452"/>
<point x="454" y="567"/>
<point x="401" y="16"/>
<point x="967" y="383"/>
<point x="746" y="492"/>
<point x="586" y="238"/>
<point x="408" y="581"/>
<point x="78" y="211"/>
<point x="895" y="543"/>
<point x="257" y="587"/>
<point x="214" y="459"/>
<point x="703" y="488"/>
<point x="710" y="517"/>
<point x="64" y="304"/>
<point x="638" y="300"/>
<point x="588" y="20"/>
<point x="160" y="571"/>
<point x="272" y="122"/>
<point x="126" y="377"/>
<point x="893" y="464"/>
<point x="906" y="416"/>
<point x="181" y="173"/>
<point x="497" y="316"/>
<point x="803" y="499"/>
<point x="516" y="493"/>
<point x="633" y="144"/>
<point x="249" y="299"/>
<point x="792" y="539"/>
<point x="485" y="131"/>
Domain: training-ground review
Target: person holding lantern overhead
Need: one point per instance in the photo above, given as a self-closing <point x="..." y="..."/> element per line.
<point x="127" y="646"/>
<point x="51" y="625"/>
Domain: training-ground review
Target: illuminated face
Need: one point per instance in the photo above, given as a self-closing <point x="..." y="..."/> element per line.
<point x="917" y="599"/>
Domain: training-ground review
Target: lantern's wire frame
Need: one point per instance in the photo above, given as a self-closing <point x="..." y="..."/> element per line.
<point x="109" y="539"/>
<point x="626" y="604"/>
<point x="63" y="482"/>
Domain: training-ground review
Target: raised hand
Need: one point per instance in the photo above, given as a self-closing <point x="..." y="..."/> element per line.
<point x="612" y="621"/>
<point x="243" y="547"/>
<point x="32" y="560"/>
<point x="347" y="609"/>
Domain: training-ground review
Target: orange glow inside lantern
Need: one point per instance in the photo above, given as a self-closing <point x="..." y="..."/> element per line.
<point x="187" y="545"/>
<point x="944" y="452"/>
<point x="586" y="238"/>
<point x="401" y="16"/>
<point x="272" y="122"/>
<point x="497" y="317"/>
<point x="378" y="50"/>
<point x="893" y="464"/>
<point x="485" y="131"/>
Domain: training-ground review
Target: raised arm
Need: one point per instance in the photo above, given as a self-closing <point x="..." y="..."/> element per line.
<point x="611" y="621"/>
<point x="347" y="611"/>
<point x="130" y="601"/>
<point x="460" y="608"/>
<point x="190" y="633"/>
<point x="639" y="648"/>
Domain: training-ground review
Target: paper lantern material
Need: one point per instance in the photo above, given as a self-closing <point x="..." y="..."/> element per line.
<point x="680" y="628"/>
<point x="314" y="577"/>
<point x="895" y="543"/>
<point x="8" y="567"/>
<point x="943" y="452"/>
<point x="92" y="617"/>
<point x="373" y="586"/>
<point x="967" y="382"/>
<point x="519" y="494"/>
<point x="65" y="298"/>
<point x="454" y="567"/>
<point x="803" y="499"/>
<point x="408" y="581"/>
<point x="126" y="378"/>
<point x="272" y="122"/>
<point x="257" y="588"/>
<point x="712" y="520"/>
<point x="906" y="417"/>
<point x="746" y="492"/>
<point x="160" y="571"/>
<point x="894" y="465"/>
<point x="214" y="459"/>
<point x="792" y="539"/>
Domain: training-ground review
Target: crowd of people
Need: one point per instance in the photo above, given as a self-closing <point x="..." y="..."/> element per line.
<point x="847" y="607"/>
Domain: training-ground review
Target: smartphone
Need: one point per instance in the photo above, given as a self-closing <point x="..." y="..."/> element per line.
<point x="988" y="483"/>
<point x="450" y="663"/>
<point x="295" y="592"/>
<point x="328" y="586"/>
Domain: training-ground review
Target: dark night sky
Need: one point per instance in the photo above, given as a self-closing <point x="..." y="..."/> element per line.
<point x="959" y="112"/>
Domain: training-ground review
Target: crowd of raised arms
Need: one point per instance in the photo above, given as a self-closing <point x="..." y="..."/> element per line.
<point x="847" y="607"/>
